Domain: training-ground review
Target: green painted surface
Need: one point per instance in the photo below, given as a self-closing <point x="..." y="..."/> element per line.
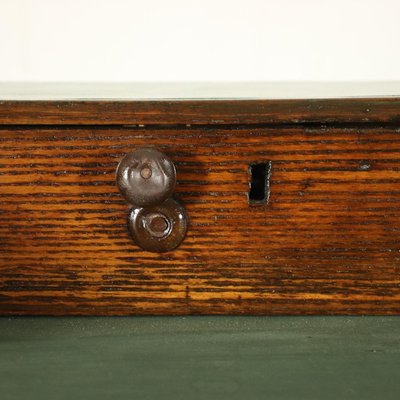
<point x="200" y="358"/>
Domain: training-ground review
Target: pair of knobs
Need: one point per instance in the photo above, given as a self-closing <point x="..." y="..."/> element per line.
<point x="146" y="178"/>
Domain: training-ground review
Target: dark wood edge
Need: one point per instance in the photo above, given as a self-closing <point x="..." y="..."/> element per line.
<point x="200" y="112"/>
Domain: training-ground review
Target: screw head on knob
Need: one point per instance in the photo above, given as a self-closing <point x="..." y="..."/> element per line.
<point x="146" y="177"/>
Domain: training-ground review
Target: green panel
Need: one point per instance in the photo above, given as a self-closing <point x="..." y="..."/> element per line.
<point x="200" y="358"/>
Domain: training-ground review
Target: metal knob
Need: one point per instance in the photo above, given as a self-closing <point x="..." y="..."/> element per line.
<point x="146" y="178"/>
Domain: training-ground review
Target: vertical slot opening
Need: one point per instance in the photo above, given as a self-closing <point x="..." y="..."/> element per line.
<point x="259" y="182"/>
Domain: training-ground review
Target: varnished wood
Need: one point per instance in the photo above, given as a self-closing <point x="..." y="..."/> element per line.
<point x="327" y="242"/>
<point x="200" y="112"/>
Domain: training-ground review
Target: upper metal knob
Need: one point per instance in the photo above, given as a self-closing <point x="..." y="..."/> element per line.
<point x="146" y="177"/>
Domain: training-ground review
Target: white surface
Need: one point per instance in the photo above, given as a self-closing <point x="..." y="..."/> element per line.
<point x="195" y="90"/>
<point x="199" y="40"/>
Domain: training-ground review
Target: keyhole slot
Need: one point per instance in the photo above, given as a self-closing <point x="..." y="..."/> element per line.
<point x="259" y="188"/>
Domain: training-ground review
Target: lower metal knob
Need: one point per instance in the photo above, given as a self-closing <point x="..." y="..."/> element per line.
<point x="158" y="228"/>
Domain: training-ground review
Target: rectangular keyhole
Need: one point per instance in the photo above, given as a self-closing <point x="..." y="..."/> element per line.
<point x="259" y="182"/>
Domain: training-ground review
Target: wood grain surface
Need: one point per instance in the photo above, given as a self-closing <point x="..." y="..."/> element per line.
<point x="327" y="242"/>
<point x="201" y="112"/>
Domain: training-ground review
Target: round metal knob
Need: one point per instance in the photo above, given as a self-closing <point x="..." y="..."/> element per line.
<point x="146" y="177"/>
<point x="158" y="228"/>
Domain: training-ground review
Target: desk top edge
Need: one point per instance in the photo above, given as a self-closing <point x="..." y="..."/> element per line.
<point x="215" y="103"/>
<point x="86" y="91"/>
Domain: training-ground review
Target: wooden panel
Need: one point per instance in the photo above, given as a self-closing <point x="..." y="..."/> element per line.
<point x="327" y="242"/>
<point x="200" y="112"/>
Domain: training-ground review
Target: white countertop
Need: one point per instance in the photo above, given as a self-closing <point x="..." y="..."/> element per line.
<point x="195" y="90"/>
